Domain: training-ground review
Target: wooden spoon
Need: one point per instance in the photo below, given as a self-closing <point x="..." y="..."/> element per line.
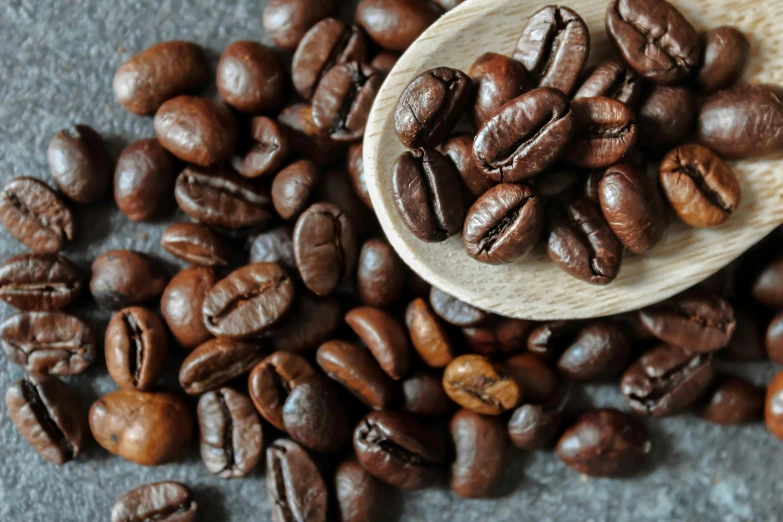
<point x="535" y="288"/>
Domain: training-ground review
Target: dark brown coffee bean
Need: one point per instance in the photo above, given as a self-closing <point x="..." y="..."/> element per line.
<point x="123" y="278"/>
<point x="294" y="485"/>
<point x="311" y="321"/>
<point x="287" y="21"/>
<point x="79" y="164"/>
<point x="560" y="182"/>
<point x="599" y="351"/>
<point x="313" y="414"/>
<point x="48" y="416"/>
<point x="195" y="244"/>
<point x="430" y="106"/>
<point x="605" y="443"/>
<point x="144" y="180"/>
<point x="305" y="138"/>
<point x="181" y="305"/>
<point x="385" y="61"/>
<point x="667" y="116"/>
<point x="548" y="340"/>
<point x="768" y="285"/>
<point x="476" y="383"/>
<point x="356" y="170"/>
<point x="325" y="248"/>
<point x="460" y="151"/>
<point x="360" y="496"/>
<point x="525" y="137"/>
<point x="504" y="224"/>
<point x="274" y="246"/>
<point x="537" y="381"/>
<point x="604" y="131"/>
<point x="395" y="24"/>
<point x="773" y="341"/>
<point x="230" y="433"/>
<point x="35" y="215"/>
<point x="271" y="381"/>
<point x="145" y="428"/>
<point x="197" y="130"/>
<point x="612" y="79"/>
<point x="251" y="78"/>
<point x="726" y="52"/>
<point x="380" y="276"/>
<point x="454" y="311"/>
<point x="355" y="368"/>
<point x="385" y="337"/>
<point x="534" y="426"/>
<point x="293" y="187"/>
<point x="399" y="450"/>
<point x="497" y="79"/>
<point x="773" y="406"/>
<point x="733" y="401"/>
<point x="39" y="282"/>
<point x="135" y="346"/>
<point x="666" y="380"/>
<point x="267" y="151"/>
<point x="216" y="362"/>
<point x="340" y="193"/>
<point x="479" y="446"/>
<point x="160" y="501"/>
<point x="499" y="336"/>
<point x="553" y="47"/>
<point x="160" y="73"/>
<point x="747" y="343"/>
<point x="654" y="38"/>
<point x="423" y="395"/>
<point x="428" y="335"/>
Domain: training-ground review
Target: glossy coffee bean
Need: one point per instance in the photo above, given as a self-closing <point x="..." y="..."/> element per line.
<point x="195" y="244"/>
<point x="399" y="450"/>
<point x="612" y="79"/>
<point x="726" y="52"/>
<point x="548" y="340"/>
<point x="499" y="336"/>
<point x="423" y="395"/>
<point x="599" y="351"/>
<point x="357" y="370"/>
<point x="287" y="21"/>
<point x="525" y="137"/>
<point x="48" y="417"/>
<point x="267" y="151"/>
<point x="305" y="139"/>
<point x="342" y="102"/>
<point x="310" y="321"/>
<point x="667" y="116"/>
<point x="604" y="132"/>
<point x="160" y="501"/>
<point x="454" y="311"/>
<point x="181" y="305"/>
<point x="560" y="182"/>
<point x="251" y="78"/>
<point x="39" y="282"/>
<point x="554" y="46"/>
<point x="767" y="287"/>
<point x="144" y="428"/>
<point x="339" y="192"/>
<point x="79" y="164"/>
<point x="360" y="496"/>
<point x="384" y="336"/>
<point x="230" y="433"/>
<point x="380" y="276"/>
<point x="295" y="487"/>
<point x="479" y="445"/>
<point x="773" y="341"/>
<point x="135" y="346"/>
<point x="773" y="406"/>
<point x="395" y="24"/>
<point x="476" y="383"/>
<point x="733" y="401"/>
<point x="356" y="170"/>
<point x="459" y="150"/>
<point x="385" y="61"/>
<point x="271" y="381"/>
<point x="293" y="187"/>
<point x="313" y="415"/>
<point x="216" y="362"/>
<point x="428" y="334"/>
<point x="534" y="426"/>
<point x="144" y="179"/>
<point x="160" y="73"/>
<point x="654" y="38"/>
<point x="666" y="380"/>
<point x="605" y="443"/>
<point x="430" y="106"/>
<point x="123" y="278"/>
<point x="497" y="79"/>
<point x="274" y="246"/>
<point x="537" y="381"/>
<point x="35" y="215"/>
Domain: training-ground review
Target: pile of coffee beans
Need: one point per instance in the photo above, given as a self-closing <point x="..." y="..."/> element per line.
<point x="299" y="334"/>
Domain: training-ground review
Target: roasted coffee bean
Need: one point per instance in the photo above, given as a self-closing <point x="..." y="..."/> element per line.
<point x="267" y="151"/>
<point x="39" y="282"/>
<point x="476" y="383"/>
<point x="666" y="380"/>
<point x="767" y="286"/>
<point x="123" y="278"/>
<point x="395" y="24"/>
<point x="427" y="193"/>
<point x="160" y="501"/>
<point x="145" y="428"/>
<point x="328" y="43"/>
<point x="504" y="224"/>
<point x="293" y="187"/>
<point x="385" y="337"/>
<point x="216" y="362"/>
<point x="385" y="61"/>
<point x="305" y="139"/>
<point x="287" y="21"/>
<point x="356" y="170"/>
<point x="499" y="336"/>
<point x="428" y="335"/>
<point x="160" y="73"/>
<point x="195" y="244"/>
<point x="135" y="346"/>
<point x="251" y="78"/>
<point x="497" y="79"/>
<point x="325" y="248"/>
<point x="747" y="343"/>
<point x="534" y="426"/>
<point x="355" y="368"/>
<point x="48" y="416"/>
<point x="612" y="79"/>
<point x="604" y="131"/>
<point x="582" y="243"/>
<point x="231" y="437"/>
<point x="605" y="443"/>
<point x="773" y="341"/>
<point x="271" y="381"/>
<point x="430" y="106"/>
<point x="423" y="395"/>
<point x="339" y="192"/>
<point x="553" y="47"/>
<point x="726" y="52"/>
<point x="311" y="321"/>
<point x="558" y="183"/>
<point x="220" y="198"/>
<point x="454" y="311"/>
<point x="342" y="102"/>
<point x="479" y="446"/>
<point x="633" y="208"/>
<point x="548" y="340"/>
<point x="448" y="5"/>
<point x="144" y="179"/>
<point x="181" y="305"/>
<point x="525" y="137"/>
<point x="460" y="151"/>
<point x="79" y="164"/>
<point x="399" y="450"/>
<point x="380" y="276"/>
<point x="274" y="246"/>
<point x="741" y="122"/>
<point x="600" y="350"/>
<point x="667" y="116"/>
<point x="313" y="414"/>
<point x="360" y="496"/>
<point x="294" y="485"/>
<point x="773" y="406"/>
<point x="733" y="401"/>
<point x="35" y="215"/>
<point x="537" y="381"/>
<point x="654" y="38"/>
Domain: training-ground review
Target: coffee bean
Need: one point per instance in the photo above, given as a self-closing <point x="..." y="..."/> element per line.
<point x="79" y="164"/>
<point x="274" y="246"/>
<point x="499" y="336"/>
<point x="39" y="282"/>
<point x="251" y="78"/>
<point x="385" y="61"/>
<point x="294" y="484"/>
<point x="231" y="437"/>
<point x="195" y="244"/>
<point x="667" y="116"/>
<point x="313" y="415"/>
<point x="356" y="170"/>
<point x="144" y="179"/>
<point x="553" y="47"/>
<point x="525" y="137"/>
<point x="561" y="182"/>
<point x="773" y="406"/>
<point x="385" y="337"/>
<point x="459" y="150"/>
<point x="325" y="248"/>
<point x="733" y="401"/>
<point x="360" y="496"/>
<point x="479" y="446"/>
<point x="773" y="341"/>
<point x="423" y="395"/>
<point x="548" y="340"/>
<point x="305" y="138"/>
<point x="604" y="131"/>
<point x="534" y="426"/>
<point x="355" y="368"/>
<point x="287" y="21"/>
<point x="123" y="278"/>
<point x="599" y="351"/>
<point x="767" y="286"/>
<point x="476" y="383"/>
<point x="612" y="79"/>
<point x="48" y="417"/>
<point x="181" y="305"/>
<point x="504" y="224"/>
<point x="430" y="106"/>
<point x="135" y="346"/>
<point x="216" y="362"/>
<point x="267" y="151"/>
<point x="582" y="243"/>
<point x="654" y="38"/>
<point x="605" y="443"/>
<point x="271" y="381"/>
<point x="747" y="343"/>
<point x="145" y="428"/>
<point x="293" y="187"/>
<point x="339" y="192"/>
<point x="220" y="198"/>
<point x="35" y="215"/>
<point x="380" y="277"/>
<point x="160" y="73"/>
<point x="497" y="79"/>
<point x="726" y="52"/>
<point x="448" y="5"/>
<point x="197" y="130"/>
<point x="160" y="501"/>
<point x="454" y="311"/>
<point x="395" y="24"/>
<point x="537" y="381"/>
<point x="311" y="321"/>
<point x="666" y="379"/>
<point x="399" y="450"/>
<point x="428" y="335"/>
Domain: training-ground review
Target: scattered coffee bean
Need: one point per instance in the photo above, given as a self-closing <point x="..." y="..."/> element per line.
<point x="293" y="187"/>
<point x="561" y="182"/>
<point x="423" y="395"/>
<point x="313" y="415"/>
<point x="747" y="343"/>
<point x="767" y="287"/>
<point x="476" y="383"/>
<point x="160" y="501"/>
<point x="339" y="192"/>
<point x="548" y="340"/>
<point x="479" y="446"/>
<point x="773" y="341"/>
<point x="311" y="321"/>
<point x="385" y="337"/>
<point x="454" y="311"/>
<point x="251" y="78"/>
<point x="428" y="335"/>
<point x="726" y="52"/>
<point x="123" y="278"/>
<point x="459" y="150"/>
<point x="497" y="79"/>
<point x="135" y="346"/>
<point x="733" y="401"/>
<point x="181" y="305"/>
<point x="39" y="282"/>
<point x="380" y="277"/>
<point x="195" y="244"/>
<point x="274" y="246"/>
<point x="342" y="102"/>
<point x="35" y="215"/>
<point x="271" y="381"/>
<point x="667" y="116"/>
<point x="356" y="170"/>
<point x="267" y="151"/>
<point x="287" y="21"/>
<point x="360" y="496"/>
<point x="499" y="336"/>
<point x="305" y="138"/>
<point x="612" y="79"/>
<point x="600" y="350"/>
<point x="385" y="61"/>
<point x="79" y="164"/>
<point x="295" y="487"/>
<point x="395" y="24"/>
<point x="773" y="407"/>
<point x="216" y="362"/>
<point x="534" y="426"/>
<point x="538" y="382"/>
<point x="143" y="180"/>
<point x="604" y="131"/>
<point x="357" y="370"/>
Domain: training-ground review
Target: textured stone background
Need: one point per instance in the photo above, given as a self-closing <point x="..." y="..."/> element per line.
<point x="57" y="58"/>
